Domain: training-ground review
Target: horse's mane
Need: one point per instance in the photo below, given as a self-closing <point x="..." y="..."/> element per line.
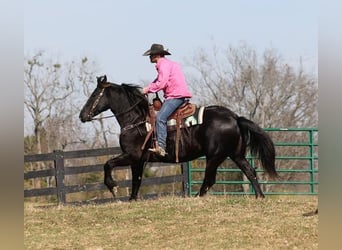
<point x="136" y="97"/>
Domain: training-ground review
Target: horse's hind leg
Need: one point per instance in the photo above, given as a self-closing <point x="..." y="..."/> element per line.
<point x="250" y="172"/>
<point x="210" y="174"/>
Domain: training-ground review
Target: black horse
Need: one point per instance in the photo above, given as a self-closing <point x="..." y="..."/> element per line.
<point x="222" y="134"/>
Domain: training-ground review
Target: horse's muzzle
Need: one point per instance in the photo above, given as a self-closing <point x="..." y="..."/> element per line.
<point x="85" y="118"/>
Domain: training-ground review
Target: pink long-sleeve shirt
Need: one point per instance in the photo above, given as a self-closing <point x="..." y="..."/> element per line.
<point x="170" y="79"/>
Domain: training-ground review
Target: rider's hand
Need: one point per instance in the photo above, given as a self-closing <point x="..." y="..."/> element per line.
<point x="145" y="90"/>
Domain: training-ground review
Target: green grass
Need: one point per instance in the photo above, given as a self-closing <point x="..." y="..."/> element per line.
<point x="212" y="222"/>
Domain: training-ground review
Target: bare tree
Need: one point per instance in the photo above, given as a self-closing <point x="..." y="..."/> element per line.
<point x="44" y="92"/>
<point x="54" y="95"/>
<point x="266" y="90"/>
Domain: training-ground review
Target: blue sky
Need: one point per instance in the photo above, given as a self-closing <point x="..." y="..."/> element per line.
<point x="116" y="33"/>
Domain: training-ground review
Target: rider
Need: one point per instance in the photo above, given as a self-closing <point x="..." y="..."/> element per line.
<point x="171" y="80"/>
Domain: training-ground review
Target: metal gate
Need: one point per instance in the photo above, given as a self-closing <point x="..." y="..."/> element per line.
<point x="296" y="161"/>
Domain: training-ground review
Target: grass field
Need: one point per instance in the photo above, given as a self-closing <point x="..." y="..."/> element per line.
<point x="212" y="222"/>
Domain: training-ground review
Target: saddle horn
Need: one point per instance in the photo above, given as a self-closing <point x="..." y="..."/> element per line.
<point x="157" y="103"/>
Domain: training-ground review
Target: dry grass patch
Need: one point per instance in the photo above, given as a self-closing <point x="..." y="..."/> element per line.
<point x="176" y="223"/>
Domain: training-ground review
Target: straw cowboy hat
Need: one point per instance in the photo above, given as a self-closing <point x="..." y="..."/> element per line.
<point x="156" y="49"/>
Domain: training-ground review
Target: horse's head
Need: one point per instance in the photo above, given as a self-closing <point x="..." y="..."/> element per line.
<point x="96" y="103"/>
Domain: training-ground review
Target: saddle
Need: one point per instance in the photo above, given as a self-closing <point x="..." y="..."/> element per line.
<point x="187" y="109"/>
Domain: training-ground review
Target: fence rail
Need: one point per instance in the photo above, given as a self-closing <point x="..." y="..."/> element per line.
<point x="188" y="177"/>
<point x="60" y="171"/>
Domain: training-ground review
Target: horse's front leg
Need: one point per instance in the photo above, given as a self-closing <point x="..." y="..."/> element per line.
<point x="121" y="160"/>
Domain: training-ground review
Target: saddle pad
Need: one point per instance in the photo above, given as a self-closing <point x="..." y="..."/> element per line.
<point x="195" y="119"/>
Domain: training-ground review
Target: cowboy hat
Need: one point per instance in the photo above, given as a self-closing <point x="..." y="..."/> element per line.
<point x="156" y="49"/>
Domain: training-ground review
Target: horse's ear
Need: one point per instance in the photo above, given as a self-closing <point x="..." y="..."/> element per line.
<point x="101" y="79"/>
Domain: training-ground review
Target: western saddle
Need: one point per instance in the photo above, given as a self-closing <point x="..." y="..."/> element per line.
<point x="185" y="110"/>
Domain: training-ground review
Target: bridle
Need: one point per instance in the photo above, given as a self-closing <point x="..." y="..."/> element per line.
<point x="125" y="129"/>
<point x="96" y="102"/>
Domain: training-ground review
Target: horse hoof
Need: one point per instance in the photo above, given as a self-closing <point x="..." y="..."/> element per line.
<point x="260" y="196"/>
<point x="114" y="190"/>
<point x="132" y="199"/>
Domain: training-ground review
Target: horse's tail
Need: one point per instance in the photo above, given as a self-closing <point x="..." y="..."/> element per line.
<point x="260" y="144"/>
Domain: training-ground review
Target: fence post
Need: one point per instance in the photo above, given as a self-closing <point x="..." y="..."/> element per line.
<point x="312" y="161"/>
<point x="59" y="168"/>
<point x="185" y="181"/>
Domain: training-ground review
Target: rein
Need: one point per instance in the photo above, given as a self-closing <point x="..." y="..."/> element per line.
<point x="100" y="118"/>
<point x="109" y="116"/>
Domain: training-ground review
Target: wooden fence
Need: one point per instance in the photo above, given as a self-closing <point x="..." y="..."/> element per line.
<point x="59" y="172"/>
<point x="303" y="175"/>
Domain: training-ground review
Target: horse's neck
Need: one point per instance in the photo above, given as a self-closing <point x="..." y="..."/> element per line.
<point x="129" y="118"/>
<point x="125" y="113"/>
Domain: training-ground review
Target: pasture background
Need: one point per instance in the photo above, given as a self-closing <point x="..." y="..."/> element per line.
<point x="212" y="222"/>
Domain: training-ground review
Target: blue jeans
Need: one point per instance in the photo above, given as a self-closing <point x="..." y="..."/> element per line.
<point x="168" y="107"/>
